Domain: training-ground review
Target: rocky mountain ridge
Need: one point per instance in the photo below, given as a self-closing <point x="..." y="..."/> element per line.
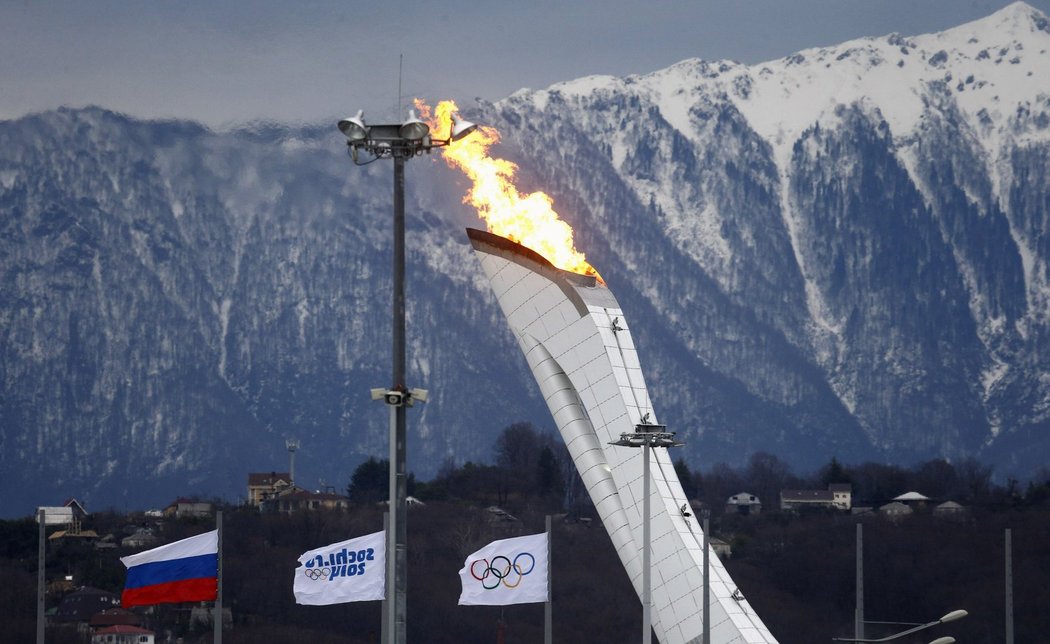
<point x="843" y="253"/>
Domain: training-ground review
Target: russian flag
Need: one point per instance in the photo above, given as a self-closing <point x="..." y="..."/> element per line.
<point x="183" y="571"/>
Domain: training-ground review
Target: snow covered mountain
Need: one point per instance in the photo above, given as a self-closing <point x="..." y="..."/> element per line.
<point x="844" y="252"/>
<point x="875" y="212"/>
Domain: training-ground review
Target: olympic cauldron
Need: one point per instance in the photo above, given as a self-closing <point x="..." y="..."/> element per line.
<point x="578" y="345"/>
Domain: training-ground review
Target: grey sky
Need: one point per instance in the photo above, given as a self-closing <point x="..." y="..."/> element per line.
<point x="234" y="61"/>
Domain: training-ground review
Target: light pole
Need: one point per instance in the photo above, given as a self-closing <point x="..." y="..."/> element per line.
<point x="647" y="436"/>
<point x="950" y="617"/>
<point x="399" y="141"/>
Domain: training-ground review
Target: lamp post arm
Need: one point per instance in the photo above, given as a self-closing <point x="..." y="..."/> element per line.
<point x="950" y="617"/>
<point x="888" y="637"/>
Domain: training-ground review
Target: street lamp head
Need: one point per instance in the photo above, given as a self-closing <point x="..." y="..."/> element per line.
<point x="647" y="438"/>
<point x="944" y="640"/>
<point x="413" y="129"/>
<point x="353" y="128"/>
<point x="954" y="615"/>
<point x="461" y="129"/>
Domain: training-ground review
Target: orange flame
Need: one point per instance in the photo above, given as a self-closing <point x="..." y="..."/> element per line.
<point x="529" y="220"/>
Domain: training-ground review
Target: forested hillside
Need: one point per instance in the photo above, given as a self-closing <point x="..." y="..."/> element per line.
<point x="797" y="571"/>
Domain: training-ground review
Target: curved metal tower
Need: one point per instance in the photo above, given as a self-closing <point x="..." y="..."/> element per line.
<point x="578" y="345"/>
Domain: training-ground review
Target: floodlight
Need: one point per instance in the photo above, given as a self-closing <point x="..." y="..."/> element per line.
<point x="461" y="129"/>
<point x="353" y="128"/>
<point x="413" y="129"/>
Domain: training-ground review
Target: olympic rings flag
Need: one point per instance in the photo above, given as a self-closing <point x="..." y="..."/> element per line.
<point x="348" y="571"/>
<point x="508" y="571"/>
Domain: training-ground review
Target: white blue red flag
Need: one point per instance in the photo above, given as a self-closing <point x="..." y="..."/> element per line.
<point x="348" y="571"/>
<point x="183" y="571"/>
<point x="508" y="571"/>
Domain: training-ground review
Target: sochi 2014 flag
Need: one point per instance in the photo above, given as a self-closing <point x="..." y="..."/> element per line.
<point x="348" y="571"/>
<point x="508" y="571"/>
<point x="183" y="571"/>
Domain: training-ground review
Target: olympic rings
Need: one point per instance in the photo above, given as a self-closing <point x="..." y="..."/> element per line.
<point x="502" y="570"/>
<point x="317" y="573"/>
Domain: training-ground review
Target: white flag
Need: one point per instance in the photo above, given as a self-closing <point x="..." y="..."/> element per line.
<point x="508" y="571"/>
<point x="348" y="571"/>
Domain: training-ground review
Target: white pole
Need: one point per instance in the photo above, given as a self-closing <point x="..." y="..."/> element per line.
<point x="40" y="581"/>
<point x="218" y="591"/>
<point x="391" y="535"/>
<point x="547" y="627"/>
<point x="858" y="626"/>
<point x="1009" y="588"/>
<point x="647" y="629"/>
<point x="385" y="605"/>
<point x="706" y="633"/>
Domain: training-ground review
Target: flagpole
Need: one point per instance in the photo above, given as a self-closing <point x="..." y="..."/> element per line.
<point x="547" y="630"/>
<point x="384" y="635"/>
<point x="392" y="535"/>
<point x="706" y="632"/>
<point x="217" y="619"/>
<point x="40" y="579"/>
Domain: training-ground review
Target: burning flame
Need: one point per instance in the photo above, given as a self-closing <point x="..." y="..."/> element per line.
<point x="529" y="220"/>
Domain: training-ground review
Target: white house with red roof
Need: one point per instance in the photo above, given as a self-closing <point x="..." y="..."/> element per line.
<point x="122" y="634"/>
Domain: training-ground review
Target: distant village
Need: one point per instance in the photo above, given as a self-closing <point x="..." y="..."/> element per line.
<point x="97" y="613"/>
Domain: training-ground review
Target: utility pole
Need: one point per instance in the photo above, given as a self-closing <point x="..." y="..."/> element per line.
<point x="858" y="629"/>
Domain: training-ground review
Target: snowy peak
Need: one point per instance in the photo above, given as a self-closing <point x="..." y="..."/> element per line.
<point x="1018" y="17"/>
<point x="988" y="68"/>
<point x="995" y="71"/>
<point x="1002" y="60"/>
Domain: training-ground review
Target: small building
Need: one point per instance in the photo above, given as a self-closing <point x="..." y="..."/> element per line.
<point x="183" y="507"/>
<point x="122" y="634"/>
<point x="115" y="617"/>
<point x="913" y="499"/>
<point x="842" y="495"/>
<point x="722" y="549"/>
<point x="743" y="503"/>
<point x="295" y="499"/>
<point x="952" y="511"/>
<point x="79" y="511"/>
<point x="141" y="538"/>
<point x="263" y="486"/>
<point x="107" y="542"/>
<point x="838" y="496"/>
<point x="896" y="510"/>
<point x="83" y="604"/>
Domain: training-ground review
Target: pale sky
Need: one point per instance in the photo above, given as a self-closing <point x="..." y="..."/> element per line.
<point x="233" y="61"/>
